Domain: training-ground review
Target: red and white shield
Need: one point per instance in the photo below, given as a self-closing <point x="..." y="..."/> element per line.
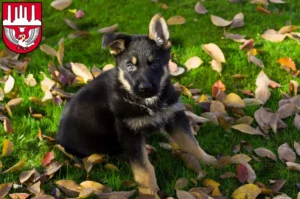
<point x="22" y="26"/>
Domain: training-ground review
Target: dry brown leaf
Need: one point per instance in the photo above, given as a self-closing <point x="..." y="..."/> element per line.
<point x="14" y="102"/>
<point x="4" y="189"/>
<point x="228" y="175"/>
<point x="52" y="168"/>
<point x="176" y="20"/>
<point x="9" y="84"/>
<point x="69" y="187"/>
<point x="26" y="175"/>
<point x="181" y="183"/>
<point x="263" y="152"/>
<point x="47" y="158"/>
<point x="93" y="159"/>
<point x="108" y="67"/>
<point x="261" y="2"/>
<point x="245" y="120"/>
<point x="239" y="158"/>
<point x="163" y="6"/>
<point x="7" y="148"/>
<point x="48" y="50"/>
<point x="81" y="70"/>
<point x="35" y="188"/>
<point x="277" y="1"/>
<point x="217" y="106"/>
<point x="96" y="71"/>
<point x="109" y="29"/>
<point x="190" y="161"/>
<point x="249" y="191"/>
<point x="293" y="166"/>
<point x="235" y="37"/>
<point x="255" y="61"/>
<point x="286" y="153"/>
<point x="16" y="167"/>
<point x="262" y="93"/>
<point x="29" y="80"/>
<point x="238" y="21"/>
<point x="200" y="9"/>
<point x="247" y="45"/>
<point x="233" y="100"/>
<point x="286" y="110"/>
<point x="193" y="62"/>
<point x="218" y="21"/>
<point x="86" y="193"/>
<point x="184" y="195"/>
<point x="60" y="53"/>
<point x="214" y="51"/>
<point x="43" y="196"/>
<point x="61" y="4"/>
<point x="287" y="29"/>
<point x="287" y="62"/>
<point x="19" y="195"/>
<point x="277" y="185"/>
<point x="263" y="10"/>
<point x="126" y="194"/>
<point x="273" y="36"/>
<point x="274" y="84"/>
<point x="297" y="122"/>
<point x="71" y="24"/>
<point x="47" y="83"/>
<point x="97" y="187"/>
<point x="216" y="65"/>
<point x="293" y="87"/>
<point x="111" y="167"/>
<point x="247" y="129"/>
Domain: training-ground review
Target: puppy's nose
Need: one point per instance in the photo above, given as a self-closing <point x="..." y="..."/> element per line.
<point x="145" y="87"/>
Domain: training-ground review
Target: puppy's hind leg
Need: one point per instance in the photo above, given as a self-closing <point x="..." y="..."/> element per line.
<point x="180" y="132"/>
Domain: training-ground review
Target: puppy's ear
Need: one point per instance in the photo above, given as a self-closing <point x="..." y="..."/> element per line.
<point x="116" y="42"/>
<point x="158" y="31"/>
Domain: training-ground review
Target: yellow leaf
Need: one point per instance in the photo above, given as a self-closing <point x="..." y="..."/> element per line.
<point x="249" y="191"/>
<point x="234" y="100"/>
<point x="16" y="167"/>
<point x="7" y="148"/>
<point x="209" y="183"/>
<point x="216" y="192"/>
<point x="72" y="10"/>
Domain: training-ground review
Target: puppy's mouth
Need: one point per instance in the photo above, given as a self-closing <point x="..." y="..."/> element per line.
<point x="146" y="95"/>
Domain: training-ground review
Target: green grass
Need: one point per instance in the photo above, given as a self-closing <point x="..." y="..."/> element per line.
<point x="133" y="17"/>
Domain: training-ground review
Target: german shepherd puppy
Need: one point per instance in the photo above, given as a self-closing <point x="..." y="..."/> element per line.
<point x="116" y="111"/>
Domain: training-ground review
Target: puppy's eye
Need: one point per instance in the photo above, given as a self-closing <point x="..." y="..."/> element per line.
<point x="130" y="67"/>
<point x="155" y="65"/>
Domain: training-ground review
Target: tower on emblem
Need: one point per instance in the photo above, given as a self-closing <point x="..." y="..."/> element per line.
<point x="22" y="26"/>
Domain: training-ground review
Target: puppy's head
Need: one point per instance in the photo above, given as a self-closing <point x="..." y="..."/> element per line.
<point x="142" y="61"/>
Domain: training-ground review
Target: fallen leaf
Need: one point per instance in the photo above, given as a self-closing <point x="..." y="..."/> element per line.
<point x="218" y="21"/>
<point x="35" y="188"/>
<point x="297" y="122"/>
<point x="193" y="62"/>
<point x="262" y="79"/>
<point x="93" y="159"/>
<point x="262" y="2"/>
<point x="47" y="83"/>
<point x="184" y="195"/>
<point x="109" y="29"/>
<point x="60" y="53"/>
<point x="286" y="110"/>
<point x="247" y="45"/>
<point x="277" y="185"/>
<point x="111" y="167"/>
<point x="7" y="148"/>
<point x="16" y="167"/>
<point x="86" y="193"/>
<point x="43" y="196"/>
<point x="126" y="194"/>
<point x="293" y="166"/>
<point x="52" y="168"/>
<point x="19" y="195"/>
<point x="190" y="161"/>
<point x="29" y="80"/>
<point x="216" y="65"/>
<point x="263" y="10"/>
<point x="262" y="93"/>
<point x="217" y="87"/>
<point x="108" y="67"/>
<point x="9" y="84"/>
<point x="48" y="50"/>
<point x="47" y="158"/>
<point x="293" y="87"/>
<point x="245" y="120"/>
<point x="287" y="29"/>
<point x="263" y="152"/>
<point x="235" y="37"/>
<point x="82" y="71"/>
<point x="277" y="1"/>
<point x="181" y="183"/>
<point x="234" y="100"/>
<point x="249" y="191"/>
<point x="71" y="24"/>
<point x="274" y="84"/>
<point x="242" y="173"/>
<point x="26" y="175"/>
<point x="209" y="183"/>
<point x="4" y="189"/>
<point x="79" y="14"/>
<point x="214" y="51"/>
<point x="255" y="61"/>
<point x="62" y="149"/>
<point x="61" y="4"/>
<point x="94" y="185"/>
<point x="273" y="36"/>
<point x="228" y="175"/>
<point x="287" y="62"/>
<point x="200" y="9"/>
<point x="176" y="20"/>
<point x="14" y="102"/>
<point x="69" y="187"/>
<point x="238" y="21"/>
<point x="195" y="118"/>
<point x="286" y="153"/>
<point x="251" y="174"/>
<point x="218" y="107"/>
<point x="239" y="158"/>
<point x="247" y="129"/>
<point x="163" y="6"/>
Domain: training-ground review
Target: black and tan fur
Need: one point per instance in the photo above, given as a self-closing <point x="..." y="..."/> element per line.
<point x="116" y="111"/>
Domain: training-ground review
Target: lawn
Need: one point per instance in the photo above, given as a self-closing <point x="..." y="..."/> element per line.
<point x="132" y="17"/>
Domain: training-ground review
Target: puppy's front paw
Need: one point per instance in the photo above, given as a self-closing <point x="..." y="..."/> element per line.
<point x="148" y="191"/>
<point x="209" y="160"/>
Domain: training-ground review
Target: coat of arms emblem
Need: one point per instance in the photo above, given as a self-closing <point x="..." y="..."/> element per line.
<point x="22" y="26"/>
